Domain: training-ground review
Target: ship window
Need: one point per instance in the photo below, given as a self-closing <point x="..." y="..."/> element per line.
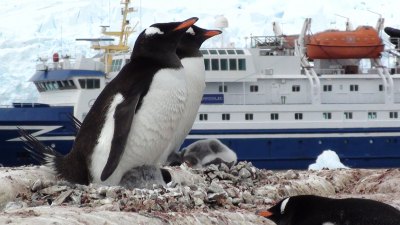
<point x="214" y="64"/>
<point x="232" y="64"/>
<point x="116" y="65"/>
<point x="55" y="85"/>
<point x="348" y="115"/>
<point x="89" y="83"/>
<point x="253" y="88"/>
<point x="274" y="116"/>
<point x="242" y="64"/>
<point x="372" y="115"/>
<point x="221" y="52"/>
<point x="224" y="64"/>
<point x="82" y="83"/>
<point x="327" y="115"/>
<point x="225" y="88"/>
<point x="240" y="52"/>
<point x="327" y="88"/>
<point x="380" y="87"/>
<point x="248" y="116"/>
<point x="298" y="116"/>
<point x="213" y="52"/>
<point x="203" y="116"/>
<point x="60" y="84"/>
<point x="296" y="88"/>
<point x="353" y="87"/>
<point x="39" y="87"/>
<point x="231" y="52"/>
<point x="226" y="116"/>
<point x="207" y="64"/>
<point x="393" y="115"/>
<point x="204" y="52"/>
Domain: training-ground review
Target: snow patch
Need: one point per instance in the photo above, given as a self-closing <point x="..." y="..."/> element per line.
<point x="329" y="160"/>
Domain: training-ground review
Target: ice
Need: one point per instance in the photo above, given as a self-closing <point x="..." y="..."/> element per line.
<point x="30" y="28"/>
<point x="327" y="160"/>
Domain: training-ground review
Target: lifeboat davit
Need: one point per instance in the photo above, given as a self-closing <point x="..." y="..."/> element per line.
<point x="364" y="42"/>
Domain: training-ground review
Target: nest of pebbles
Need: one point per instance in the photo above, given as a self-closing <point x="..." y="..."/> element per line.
<point x="242" y="188"/>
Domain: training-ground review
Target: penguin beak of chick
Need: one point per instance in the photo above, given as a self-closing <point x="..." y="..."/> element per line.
<point x="264" y="213"/>
<point x="211" y="33"/>
<point x="186" y="24"/>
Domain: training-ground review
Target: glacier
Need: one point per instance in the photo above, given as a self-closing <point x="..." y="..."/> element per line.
<point x="30" y="29"/>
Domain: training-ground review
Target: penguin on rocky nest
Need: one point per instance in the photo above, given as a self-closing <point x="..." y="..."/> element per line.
<point x="193" y="64"/>
<point x="203" y="153"/>
<point x="134" y="117"/>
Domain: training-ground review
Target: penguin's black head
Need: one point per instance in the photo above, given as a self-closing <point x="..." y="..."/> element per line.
<point x="192" y="40"/>
<point x="161" y="38"/>
<point x="280" y="213"/>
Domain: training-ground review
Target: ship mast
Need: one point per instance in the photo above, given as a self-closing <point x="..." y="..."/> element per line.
<point x="122" y="35"/>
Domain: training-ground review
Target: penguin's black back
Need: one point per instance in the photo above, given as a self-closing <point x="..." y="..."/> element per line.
<point x="315" y="210"/>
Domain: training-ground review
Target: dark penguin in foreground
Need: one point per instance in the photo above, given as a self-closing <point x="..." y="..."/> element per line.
<point x="133" y="118"/>
<point x="315" y="210"/>
<point x="193" y="64"/>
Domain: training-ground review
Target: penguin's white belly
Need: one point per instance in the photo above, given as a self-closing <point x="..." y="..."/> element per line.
<point x="154" y="123"/>
<point x="195" y="78"/>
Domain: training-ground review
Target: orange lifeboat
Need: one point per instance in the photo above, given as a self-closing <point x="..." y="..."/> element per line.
<point x="364" y="42"/>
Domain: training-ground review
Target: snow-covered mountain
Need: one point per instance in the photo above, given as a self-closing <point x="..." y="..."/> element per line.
<point x="30" y="28"/>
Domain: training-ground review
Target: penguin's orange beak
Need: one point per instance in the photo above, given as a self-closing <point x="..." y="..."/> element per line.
<point x="187" y="23"/>
<point x="211" y="33"/>
<point x="264" y="213"/>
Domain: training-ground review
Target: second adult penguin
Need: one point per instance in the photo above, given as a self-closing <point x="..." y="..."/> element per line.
<point x="193" y="64"/>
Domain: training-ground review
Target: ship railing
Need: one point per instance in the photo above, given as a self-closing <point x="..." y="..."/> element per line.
<point x="62" y="64"/>
<point x="395" y="42"/>
<point x="266" y="41"/>
<point x="329" y="71"/>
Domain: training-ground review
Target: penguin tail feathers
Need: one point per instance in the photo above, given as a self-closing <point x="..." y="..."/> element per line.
<point x="76" y="122"/>
<point x="45" y="155"/>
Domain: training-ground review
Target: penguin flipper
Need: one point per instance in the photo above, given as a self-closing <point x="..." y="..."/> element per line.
<point x="123" y="118"/>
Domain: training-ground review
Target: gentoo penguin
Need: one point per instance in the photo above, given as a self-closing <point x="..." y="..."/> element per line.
<point x="315" y="210"/>
<point x="193" y="64"/>
<point x="206" y="152"/>
<point x="133" y="118"/>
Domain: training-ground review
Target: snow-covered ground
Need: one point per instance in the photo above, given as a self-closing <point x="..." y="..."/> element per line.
<point x="30" y="28"/>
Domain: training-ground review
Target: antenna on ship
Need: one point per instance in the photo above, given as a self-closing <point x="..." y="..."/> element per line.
<point x="349" y="25"/>
<point x="122" y="35"/>
<point x="221" y="22"/>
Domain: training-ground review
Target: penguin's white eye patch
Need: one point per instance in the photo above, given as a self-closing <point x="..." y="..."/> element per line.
<point x="191" y="31"/>
<point x="328" y="223"/>
<point x="152" y="31"/>
<point x="283" y="205"/>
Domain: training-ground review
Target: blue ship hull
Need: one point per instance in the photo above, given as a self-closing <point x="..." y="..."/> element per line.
<point x="297" y="149"/>
<point x="51" y="125"/>
<point x="270" y="149"/>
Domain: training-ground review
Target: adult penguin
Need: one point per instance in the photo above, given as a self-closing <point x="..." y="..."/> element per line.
<point x="193" y="64"/>
<point x="133" y="118"/>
